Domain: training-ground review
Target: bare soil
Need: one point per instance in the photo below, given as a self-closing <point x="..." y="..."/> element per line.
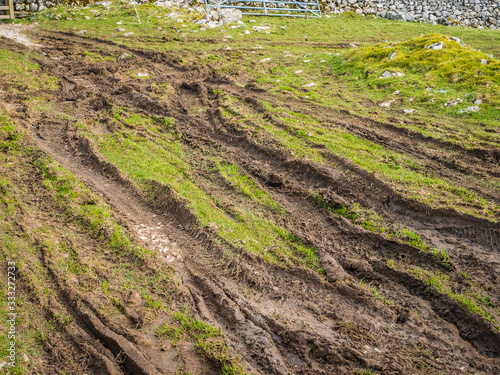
<point x="280" y="321"/>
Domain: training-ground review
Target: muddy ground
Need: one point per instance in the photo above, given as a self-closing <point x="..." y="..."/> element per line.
<point x="279" y="320"/>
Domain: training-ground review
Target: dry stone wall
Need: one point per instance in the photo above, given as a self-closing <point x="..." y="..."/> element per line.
<point x="475" y="13"/>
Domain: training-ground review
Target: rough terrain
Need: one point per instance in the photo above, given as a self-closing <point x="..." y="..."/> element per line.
<point x="367" y="310"/>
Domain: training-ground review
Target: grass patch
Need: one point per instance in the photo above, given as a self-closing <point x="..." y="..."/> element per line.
<point x="208" y="340"/>
<point x="164" y="159"/>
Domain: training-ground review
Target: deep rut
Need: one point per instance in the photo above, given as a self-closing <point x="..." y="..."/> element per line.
<point x="281" y="321"/>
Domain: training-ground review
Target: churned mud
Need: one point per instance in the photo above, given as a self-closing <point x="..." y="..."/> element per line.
<point x="279" y="320"/>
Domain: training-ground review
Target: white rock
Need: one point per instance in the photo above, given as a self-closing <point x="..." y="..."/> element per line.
<point x="321" y="61"/>
<point x="143" y="75"/>
<point x="388" y="74"/>
<point x="409" y="110"/>
<point x="124" y="56"/>
<point x="484" y="61"/>
<point x="247" y="32"/>
<point x="309" y="84"/>
<point x="393" y="55"/>
<point x="120" y="29"/>
<point x="387" y="103"/>
<point x="395" y="92"/>
<point x="164" y="4"/>
<point x="266" y="59"/>
<point x="212" y="24"/>
<point x="478" y="101"/>
<point x="87" y="17"/>
<point x="298" y="71"/>
<point x="81" y="32"/>
<point x="474" y="108"/>
<point x="128" y="34"/>
<point x="455" y="39"/>
<point x="435" y="46"/>
<point x="257" y="28"/>
<point x="228" y="15"/>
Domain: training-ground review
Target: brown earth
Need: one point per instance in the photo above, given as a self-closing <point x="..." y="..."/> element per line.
<point x="280" y="321"/>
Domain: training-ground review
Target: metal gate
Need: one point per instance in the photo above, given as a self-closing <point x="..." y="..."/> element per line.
<point x="281" y="8"/>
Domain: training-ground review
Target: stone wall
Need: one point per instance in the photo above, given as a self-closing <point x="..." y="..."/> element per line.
<point x="476" y="13"/>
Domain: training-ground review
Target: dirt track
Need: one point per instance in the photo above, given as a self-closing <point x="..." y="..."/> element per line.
<point x="280" y="321"/>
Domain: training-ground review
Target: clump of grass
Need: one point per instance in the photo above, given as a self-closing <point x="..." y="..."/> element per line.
<point x="454" y="70"/>
<point x="163" y="158"/>
<point x="81" y="205"/>
<point x="208" y="339"/>
<point x="244" y="184"/>
<point x="439" y="281"/>
<point x="379" y="296"/>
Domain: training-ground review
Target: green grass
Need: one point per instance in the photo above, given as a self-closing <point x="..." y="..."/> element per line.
<point x="164" y="159"/>
<point x="24" y="73"/>
<point x="440" y="282"/>
<point x="208" y="340"/>
<point x="80" y="205"/>
<point x="432" y="81"/>
<point x="244" y="184"/>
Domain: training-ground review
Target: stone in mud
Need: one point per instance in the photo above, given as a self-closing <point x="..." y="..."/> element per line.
<point x="132" y="298"/>
<point x="333" y="270"/>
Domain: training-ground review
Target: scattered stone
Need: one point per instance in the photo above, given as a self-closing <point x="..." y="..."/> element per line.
<point x="309" y="84"/>
<point x="213" y="24"/>
<point x="408" y="110"/>
<point x="478" y="101"/>
<point x="247" y="32"/>
<point x="142" y="75"/>
<point x="298" y="71"/>
<point x="387" y="103"/>
<point x="81" y="32"/>
<point x="87" y="17"/>
<point x="455" y="39"/>
<point x="124" y="56"/>
<point x="453" y="103"/>
<point x="395" y="92"/>
<point x="322" y="61"/>
<point x="306" y="61"/>
<point x="128" y="34"/>
<point x="435" y="46"/>
<point x="484" y="61"/>
<point x="412" y="99"/>
<point x="228" y="48"/>
<point x="259" y="28"/>
<point x="474" y="108"/>
<point x="24" y="357"/>
<point x="388" y="74"/>
<point x="266" y="59"/>
<point x="120" y="29"/>
<point x="393" y="56"/>
<point x="229" y="15"/>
